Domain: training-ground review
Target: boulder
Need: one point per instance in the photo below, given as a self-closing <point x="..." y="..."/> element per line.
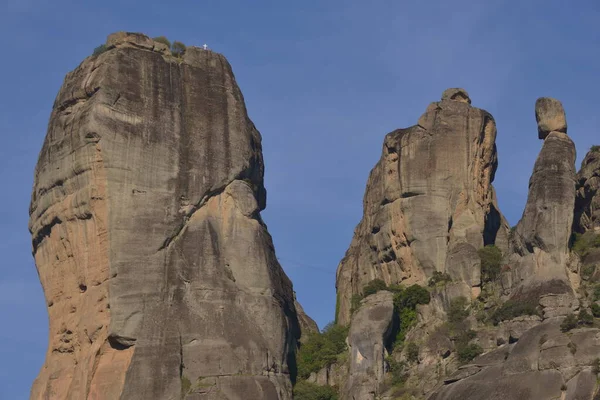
<point x="550" y="116"/>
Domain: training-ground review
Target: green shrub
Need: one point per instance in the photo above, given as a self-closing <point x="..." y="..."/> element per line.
<point x="587" y="271"/>
<point x="595" y="310"/>
<point x="408" y="319"/>
<point x="491" y="262"/>
<point x="405" y="303"/>
<point x="163" y="40"/>
<point x="397" y="370"/>
<point x="596" y="294"/>
<point x="514" y="308"/>
<point x="178" y="49"/>
<point x="321" y="349"/>
<point x="355" y="302"/>
<point x="595" y="149"/>
<point x="440" y="278"/>
<point x="583" y="244"/>
<point x="411" y="297"/>
<point x="570" y="322"/>
<point x="99" y="50"/>
<point x="585" y="318"/>
<point x="412" y="352"/>
<point x="373" y="287"/>
<point x="304" y="390"/>
<point x="458" y="312"/>
<point x="467" y="351"/>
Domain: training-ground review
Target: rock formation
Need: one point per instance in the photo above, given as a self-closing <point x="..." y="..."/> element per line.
<point x="428" y="208"/>
<point x="541" y="238"/>
<point x="544" y="364"/>
<point x="429" y="204"/>
<point x="587" y="207"/>
<point x="550" y="116"/>
<point x="370" y="333"/>
<point x="160" y="277"/>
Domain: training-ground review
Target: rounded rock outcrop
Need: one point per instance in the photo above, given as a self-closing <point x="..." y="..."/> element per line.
<point x="456" y="94"/>
<point x="550" y="116"/>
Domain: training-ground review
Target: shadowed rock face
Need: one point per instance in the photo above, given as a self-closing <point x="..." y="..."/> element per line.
<point x="587" y="203"/>
<point x="160" y="276"/>
<point x="429" y="204"/>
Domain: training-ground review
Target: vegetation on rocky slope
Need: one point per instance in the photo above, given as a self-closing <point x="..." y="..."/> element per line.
<point x="304" y="390"/>
<point x="321" y="349"/>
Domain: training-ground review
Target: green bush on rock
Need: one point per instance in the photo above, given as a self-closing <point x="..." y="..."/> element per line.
<point x="491" y="262"/>
<point x="304" y="390"/>
<point x="321" y="349"/>
<point x="583" y="244"/>
<point x="163" y="40"/>
<point x="373" y="287"/>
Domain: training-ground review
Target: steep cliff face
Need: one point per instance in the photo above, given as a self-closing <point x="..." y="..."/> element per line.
<point x="160" y="277"/>
<point x="429" y="204"/>
<point x="429" y="207"/>
<point x="587" y="208"/>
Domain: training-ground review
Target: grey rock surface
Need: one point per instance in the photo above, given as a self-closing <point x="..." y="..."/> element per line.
<point x="543" y="364"/>
<point x="550" y="116"/>
<point x="160" y="276"/>
<point x="429" y="204"/>
<point x="541" y="238"/>
<point x="370" y="332"/>
<point x="306" y="323"/>
<point x="587" y="203"/>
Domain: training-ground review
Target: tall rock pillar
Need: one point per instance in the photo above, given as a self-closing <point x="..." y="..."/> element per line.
<point x="160" y="277"/>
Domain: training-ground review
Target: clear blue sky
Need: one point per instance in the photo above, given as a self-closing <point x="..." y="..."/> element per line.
<point x="324" y="81"/>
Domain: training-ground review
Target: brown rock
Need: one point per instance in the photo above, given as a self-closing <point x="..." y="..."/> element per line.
<point x="429" y="204"/>
<point x="159" y="274"/>
<point x="456" y="94"/>
<point x="550" y="116"/>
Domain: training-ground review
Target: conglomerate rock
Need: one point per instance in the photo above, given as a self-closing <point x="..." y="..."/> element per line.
<point x="160" y="277"/>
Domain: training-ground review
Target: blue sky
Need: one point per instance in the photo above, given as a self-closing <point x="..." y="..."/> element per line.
<point x="324" y="81"/>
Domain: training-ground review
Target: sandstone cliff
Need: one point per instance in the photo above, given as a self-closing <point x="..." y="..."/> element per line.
<point x="160" y="277"/>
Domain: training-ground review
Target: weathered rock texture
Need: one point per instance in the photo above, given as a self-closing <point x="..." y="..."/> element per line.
<point x="429" y="204"/>
<point x="587" y="204"/>
<point x="370" y="332"/>
<point x="541" y="238"/>
<point x="550" y="116"/>
<point x="159" y="274"/>
<point x="544" y="364"/>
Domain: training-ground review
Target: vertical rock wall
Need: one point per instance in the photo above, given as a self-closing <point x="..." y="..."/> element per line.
<point x="429" y="204"/>
<point x="160" y="276"/>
